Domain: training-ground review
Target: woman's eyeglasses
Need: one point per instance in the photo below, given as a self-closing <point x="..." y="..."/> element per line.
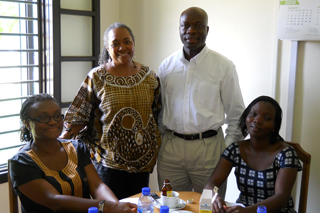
<point x="46" y="119"/>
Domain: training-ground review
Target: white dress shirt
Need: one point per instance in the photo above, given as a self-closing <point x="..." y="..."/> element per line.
<point x="200" y="95"/>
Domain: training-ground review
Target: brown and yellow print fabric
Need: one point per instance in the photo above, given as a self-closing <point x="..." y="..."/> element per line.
<point x="121" y="115"/>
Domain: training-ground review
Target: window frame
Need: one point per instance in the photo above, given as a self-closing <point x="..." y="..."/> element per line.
<point x="58" y="58"/>
<point x="41" y="65"/>
<point x="49" y="13"/>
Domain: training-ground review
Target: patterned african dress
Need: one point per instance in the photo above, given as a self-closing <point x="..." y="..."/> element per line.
<point x="120" y="115"/>
<point x="71" y="180"/>
<point x="256" y="186"/>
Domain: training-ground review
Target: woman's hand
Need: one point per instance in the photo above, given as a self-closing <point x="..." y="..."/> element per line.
<point x="236" y="209"/>
<point x="218" y="206"/>
<point x="72" y="131"/>
<point x="123" y="207"/>
<point x="133" y="207"/>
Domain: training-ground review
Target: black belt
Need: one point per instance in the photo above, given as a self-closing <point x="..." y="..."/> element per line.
<point x="202" y="135"/>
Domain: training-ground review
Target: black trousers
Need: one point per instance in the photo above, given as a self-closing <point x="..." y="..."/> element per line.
<point x="122" y="183"/>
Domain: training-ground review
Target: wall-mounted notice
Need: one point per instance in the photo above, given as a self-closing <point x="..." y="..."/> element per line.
<point x="299" y="20"/>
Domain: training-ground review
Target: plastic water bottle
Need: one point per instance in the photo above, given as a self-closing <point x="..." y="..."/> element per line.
<point x="262" y="209"/>
<point x="164" y="209"/>
<point x="145" y="202"/>
<point x="93" y="210"/>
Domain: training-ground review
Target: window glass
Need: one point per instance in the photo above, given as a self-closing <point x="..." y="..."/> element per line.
<point x="76" y="35"/>
<point x="68" y="70"/>
<point x="76" y="4"/>
<point x="19" y="68"/>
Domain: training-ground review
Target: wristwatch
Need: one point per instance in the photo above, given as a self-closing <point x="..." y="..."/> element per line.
<point x="101" y="206"/>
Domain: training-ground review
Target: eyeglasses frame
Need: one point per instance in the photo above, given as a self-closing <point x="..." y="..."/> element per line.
<point x="38" y="118"/>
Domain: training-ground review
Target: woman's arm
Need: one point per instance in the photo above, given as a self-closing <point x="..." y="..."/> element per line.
<point x="99" y="190"/>
<point x="157" y="104"/>
<point x="43" y="193"/>
<point x="218" y="176"/>
<point x="72" y="131"/>
<point x="284" y="183"/>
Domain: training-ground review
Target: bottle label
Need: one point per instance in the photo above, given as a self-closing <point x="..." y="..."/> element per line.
<point x="169" y="193"/>
<point x="140" y="210"/>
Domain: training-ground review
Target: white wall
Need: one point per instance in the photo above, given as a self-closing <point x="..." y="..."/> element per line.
<point x="4" y="198"/>
<point x="245" y="32"/>
<point x="306" y="112"/>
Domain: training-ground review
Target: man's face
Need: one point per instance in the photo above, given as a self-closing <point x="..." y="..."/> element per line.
<point x="193" y="30"/>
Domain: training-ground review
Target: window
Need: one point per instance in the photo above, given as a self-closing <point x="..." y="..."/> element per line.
<point x="25" y="67"/>
<point x="29" y="32"/>
<point x="76" y="43"/>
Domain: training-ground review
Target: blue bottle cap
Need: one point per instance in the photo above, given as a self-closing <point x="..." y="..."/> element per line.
<point x="164" y="209"/>
<point x="93" y="210"/>
<point x="145" y="190"/>
<point x="262" y="209"/>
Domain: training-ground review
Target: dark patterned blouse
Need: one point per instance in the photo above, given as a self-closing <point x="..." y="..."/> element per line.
<point x="71" y="180"/>
<point x="256" y="186"/>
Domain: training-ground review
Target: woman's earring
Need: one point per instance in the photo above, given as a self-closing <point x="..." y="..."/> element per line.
<point x="134" y="65"/>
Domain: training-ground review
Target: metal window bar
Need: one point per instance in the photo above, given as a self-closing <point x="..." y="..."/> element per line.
<point x="20" y="82"/>
<point x="18" y="34"/>
<point x="21" y="1"/>
<point x="6" y="116"/>
<point x="17" y="17"/>
<point x="14" y="98"/>
<point x="19" y="66"/>
<point x="11" y="147"/>
<point x="17" y="50"/>
<point x="27" y="30"/>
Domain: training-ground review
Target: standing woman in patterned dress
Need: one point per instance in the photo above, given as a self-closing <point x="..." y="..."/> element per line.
<point x="115" y="113"/>
<point x="265" y="166"/>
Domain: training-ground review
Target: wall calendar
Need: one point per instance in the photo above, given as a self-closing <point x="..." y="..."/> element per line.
<point x="299" y="20"/>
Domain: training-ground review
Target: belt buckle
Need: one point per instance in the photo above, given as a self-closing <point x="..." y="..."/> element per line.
<point x="200" y="136"/>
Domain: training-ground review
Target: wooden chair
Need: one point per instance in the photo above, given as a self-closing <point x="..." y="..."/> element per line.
<point x="13" y="198"/>
<point x="306" y="160"/>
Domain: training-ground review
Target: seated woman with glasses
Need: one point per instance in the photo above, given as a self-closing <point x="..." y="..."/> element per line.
<point x="55" y="175"/>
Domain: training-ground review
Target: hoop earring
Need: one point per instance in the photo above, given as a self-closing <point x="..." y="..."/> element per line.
<point x="134" y="65"/>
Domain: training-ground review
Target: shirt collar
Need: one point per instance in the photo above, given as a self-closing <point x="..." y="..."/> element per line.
<point x="198" y="58"/>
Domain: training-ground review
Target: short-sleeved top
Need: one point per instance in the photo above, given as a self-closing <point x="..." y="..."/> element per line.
<point x="120" y="115"/>
<point x="256" y="186"/>
<point x="72" y="180"/>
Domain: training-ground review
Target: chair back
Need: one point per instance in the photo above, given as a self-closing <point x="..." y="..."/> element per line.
<point x="306" y="160"/>
<point x="13" y="198"/>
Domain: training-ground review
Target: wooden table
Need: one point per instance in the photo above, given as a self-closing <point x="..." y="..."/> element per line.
<point x="184" y="195"/>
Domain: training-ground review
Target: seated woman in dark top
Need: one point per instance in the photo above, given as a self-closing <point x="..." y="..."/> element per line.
<point x="265" y="166"/>
<point x="55" y="175"/>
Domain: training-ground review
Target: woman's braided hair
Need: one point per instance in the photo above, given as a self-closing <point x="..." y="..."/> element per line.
<point x="25" y="133"/>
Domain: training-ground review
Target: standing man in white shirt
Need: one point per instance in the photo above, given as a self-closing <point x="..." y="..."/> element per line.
<point x="200" y="93"/>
